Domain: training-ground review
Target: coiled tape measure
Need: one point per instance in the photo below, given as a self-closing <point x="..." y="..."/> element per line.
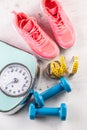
<point x="59" y="68"/>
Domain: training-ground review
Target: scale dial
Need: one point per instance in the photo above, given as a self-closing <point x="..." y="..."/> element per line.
<point x="15" y="79"/>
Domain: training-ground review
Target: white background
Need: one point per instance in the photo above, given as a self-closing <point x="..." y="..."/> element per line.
<point x="77" y="100"/>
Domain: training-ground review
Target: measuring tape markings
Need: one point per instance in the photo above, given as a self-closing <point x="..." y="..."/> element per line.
<point x="60" y="68"/>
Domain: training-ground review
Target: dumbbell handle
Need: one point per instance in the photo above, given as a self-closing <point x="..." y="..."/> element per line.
<point x="52" y="91"/>
<point x="48" y="111"/>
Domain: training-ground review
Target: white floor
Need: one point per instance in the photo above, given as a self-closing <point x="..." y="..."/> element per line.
<point x="77" y="99"/>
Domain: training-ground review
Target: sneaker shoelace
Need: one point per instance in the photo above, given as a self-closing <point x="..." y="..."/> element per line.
<point x="37" y="36"/>
<point x="33" y="32"/>
<point x="58" y="20"/>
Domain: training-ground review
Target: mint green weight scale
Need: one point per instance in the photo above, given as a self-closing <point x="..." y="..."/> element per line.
<point x="18" y="75"/>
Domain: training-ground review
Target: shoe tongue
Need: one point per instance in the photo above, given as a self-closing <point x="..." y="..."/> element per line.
<point x="28" y="26"/>
<point x="53" y="11"/>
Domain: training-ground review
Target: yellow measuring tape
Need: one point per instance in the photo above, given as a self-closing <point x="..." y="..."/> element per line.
<point x="73" y="66"/>
<point x="63" y="64"/>
<point x="56" y="69"/>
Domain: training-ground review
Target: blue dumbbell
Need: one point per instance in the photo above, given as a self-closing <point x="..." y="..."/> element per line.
<point x="40" y="98"/>
<point x="61" y="112"/>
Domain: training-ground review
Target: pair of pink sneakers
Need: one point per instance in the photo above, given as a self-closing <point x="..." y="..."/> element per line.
<point x="37" y="39"/>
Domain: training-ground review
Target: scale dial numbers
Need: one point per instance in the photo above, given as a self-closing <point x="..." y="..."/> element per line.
<point x="15" y="79"/>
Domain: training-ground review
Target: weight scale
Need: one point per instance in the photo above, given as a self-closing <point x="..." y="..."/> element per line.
<point x="19" y="72"/>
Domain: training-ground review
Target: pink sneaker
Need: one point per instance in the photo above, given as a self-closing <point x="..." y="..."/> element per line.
<point x="37" y="39"/>
<point x="59" y="22"/>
